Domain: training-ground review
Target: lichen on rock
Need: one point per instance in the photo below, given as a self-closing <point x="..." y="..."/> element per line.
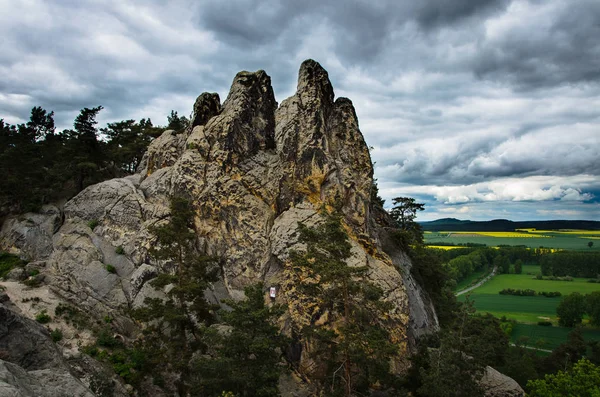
<point x="252" y="170"/>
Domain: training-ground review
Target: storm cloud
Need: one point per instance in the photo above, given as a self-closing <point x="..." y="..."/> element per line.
<point x="481" y="109"/>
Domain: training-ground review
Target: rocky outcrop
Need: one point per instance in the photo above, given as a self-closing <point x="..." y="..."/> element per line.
<point x="253" y="170"/>
<point x="30" y="364"/>
<point x="496" y="384"/>
<point x="30" y="235"/>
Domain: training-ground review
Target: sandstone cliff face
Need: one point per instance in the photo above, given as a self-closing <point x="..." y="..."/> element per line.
<point x="253" y="170"/>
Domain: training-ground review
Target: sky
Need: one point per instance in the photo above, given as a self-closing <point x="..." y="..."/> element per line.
<point x="481" y="109"/>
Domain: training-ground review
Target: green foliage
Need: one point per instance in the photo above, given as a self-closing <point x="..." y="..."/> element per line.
<point x="428" y="271"/>
<point x="32" y="281"/>
<point x="404" y="213"/>
<point x="245" y="359"/>
<point x="518" y="266"/>
<point x="9" y="262"/>
<point x="40" y="165"/>
<point x="120" y="250"/>
<point x="520" y="365"/>
<point x="176" y="123"/>
<point x="105" y="338"/>
<point x="571" y="263"/>
<point x="571" y="310"/>
<point x="445" y="368"/>
<point x="43" y="317"/>
<point x="72" y="316"/>
<point x="352" y="344"/>
<point x="93" y="223"/>
<point x="128" y="141"/>
<point x="593" y="307"/>
<point x="111" y="269"/>
<point x="375" y="198"/>
<point x="56" y="335"/>
<point x="175" y="326"/>
<point x="583" y="380"/>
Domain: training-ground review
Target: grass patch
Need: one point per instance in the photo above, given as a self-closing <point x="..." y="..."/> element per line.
<point x="73" y="316"/>
<point x="9" y="262"/>
<point x="93" y="223"/>
<point x="111" y="269"/>
<point x="120" y="250"/>
<point x="528" y="281"/>
<point x="529" y="309"/>
<point x="548" y="337"/>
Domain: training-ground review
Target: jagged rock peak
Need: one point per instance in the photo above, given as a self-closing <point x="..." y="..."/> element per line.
<point x="207" y="106"/>
<point x="313" y="81"/>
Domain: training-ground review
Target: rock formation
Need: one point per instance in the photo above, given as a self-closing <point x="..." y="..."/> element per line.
<point x="253" y="170"/>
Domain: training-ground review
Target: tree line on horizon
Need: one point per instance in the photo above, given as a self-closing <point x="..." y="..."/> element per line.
<point x="40" y="165"/>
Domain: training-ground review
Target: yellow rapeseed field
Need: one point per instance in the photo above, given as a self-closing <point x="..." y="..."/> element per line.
<point x="444" y="247"/>
<point x="570" y="231"/>
<point x="502" y="234"/>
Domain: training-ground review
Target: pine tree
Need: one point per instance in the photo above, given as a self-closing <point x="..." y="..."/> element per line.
<point x="175" y="326"/>
<point x="449" y="370"/>
<point x="246" y="356"/>
<point x="354" y="347"/>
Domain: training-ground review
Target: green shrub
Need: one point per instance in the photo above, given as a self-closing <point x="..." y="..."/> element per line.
<point x="111" y="269"/>
<point x="34" y="272"/>
<point x="73" y="316"/>
<point x="56" y="335"/>
<point x="8" y="262"/>
<point x="93" y="223"/>
<point x="32" y="282"/>
<point x="120" y="250"/>
<point x="545" y="323"/>
<point x="107" y="339"/>
<point x="91" y="350"/>
<point x="43" y="317"/>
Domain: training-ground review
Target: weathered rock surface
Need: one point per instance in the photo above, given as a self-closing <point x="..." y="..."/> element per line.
<point x="30" y="363"/>
<point x="30" y="235"/>
<point x="496" y="384"/>
<point x="253" y="170"/>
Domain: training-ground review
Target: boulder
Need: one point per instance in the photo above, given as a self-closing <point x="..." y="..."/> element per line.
<point x="30" y="235"/>
<point x="496" y="384"/>
<point x="30" y="363"/>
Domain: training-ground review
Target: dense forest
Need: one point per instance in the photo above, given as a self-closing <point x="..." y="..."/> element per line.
<point x="40" y="165"/>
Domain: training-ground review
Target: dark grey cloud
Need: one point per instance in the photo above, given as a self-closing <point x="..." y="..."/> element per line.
<point x="432" y="14"/>
<point x="454" y="96"/>
<point x="556" y="46"/>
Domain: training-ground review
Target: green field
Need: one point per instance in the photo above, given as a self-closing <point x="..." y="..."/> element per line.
<point x="548" y="337"/>
<point x="525" y="309"/>
<point x="471" y="279"/>
<point x="578" y="242"/>
<point x="524" y="281"/>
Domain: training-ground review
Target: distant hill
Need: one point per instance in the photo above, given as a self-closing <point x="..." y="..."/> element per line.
<point x="504" y="225"/>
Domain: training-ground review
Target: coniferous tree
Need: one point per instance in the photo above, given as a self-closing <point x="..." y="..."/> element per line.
<point x="175" y="122"/>
<point x="128" y="141"/>
<point x="245" y="358"/>
<point x="449" y="370"/>
<point x="353" y="346"/>
<point x="175" y="326"/>
<point x="84" y="149"/>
